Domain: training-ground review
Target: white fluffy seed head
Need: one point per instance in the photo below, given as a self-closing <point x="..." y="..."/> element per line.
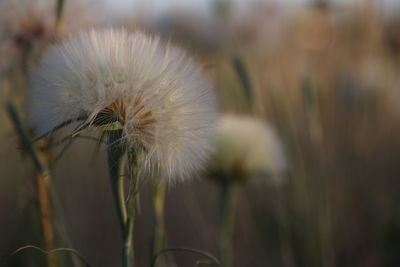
<point x="247" y="147"/>
<point x="158" y="94"/>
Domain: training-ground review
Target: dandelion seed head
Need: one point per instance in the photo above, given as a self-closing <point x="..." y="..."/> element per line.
<point x="153" y="89"/>
<point x="247" y="147"/>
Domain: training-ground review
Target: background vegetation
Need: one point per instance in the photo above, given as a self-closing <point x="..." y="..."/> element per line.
<point x="325" y="76"/>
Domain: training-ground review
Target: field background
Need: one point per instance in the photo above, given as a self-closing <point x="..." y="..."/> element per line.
<point x="325" y="75"/>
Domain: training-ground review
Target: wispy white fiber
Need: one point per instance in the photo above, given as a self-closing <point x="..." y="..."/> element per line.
<point x="154" y="89"/>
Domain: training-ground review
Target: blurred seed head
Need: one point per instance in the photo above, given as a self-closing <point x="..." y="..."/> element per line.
<point x="247" y="147"/>
<point x="25" y="29"/>
<point x="28" y="27"/>
<point x="166" y="107"/>
<point x="27" y="22"/>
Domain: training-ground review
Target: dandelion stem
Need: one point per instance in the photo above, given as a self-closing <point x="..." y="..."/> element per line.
<point x="128" y="254"/>
<point x="125" y="209"/>
<point x="227" y="212"/>
<point x="158" y="196"/>
<point x="120" y="184"/>
<point x="116" y="169"/>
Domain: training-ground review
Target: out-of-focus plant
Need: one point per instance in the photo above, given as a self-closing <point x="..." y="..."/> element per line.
<point x="246" y="148"/>
<point x="40" y="162"/>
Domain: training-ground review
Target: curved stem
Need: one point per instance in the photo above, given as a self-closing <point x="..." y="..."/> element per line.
<point x="56" y="250"/>
<point x="213" y="260"/>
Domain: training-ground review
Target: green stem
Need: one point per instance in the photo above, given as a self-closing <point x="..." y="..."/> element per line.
<point x="128" y="255"/>
<point x="125" y="211"/>
<point x="227" y="212"/>
<point x="116" y="169"/>
<point x="158" y="196"/>
<point x="120" y="184"/>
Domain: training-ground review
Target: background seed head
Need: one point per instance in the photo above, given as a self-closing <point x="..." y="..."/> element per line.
<point x="247" y="147"/>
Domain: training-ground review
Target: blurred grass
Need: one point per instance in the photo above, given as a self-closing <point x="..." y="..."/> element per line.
<point x="326" y="77"/>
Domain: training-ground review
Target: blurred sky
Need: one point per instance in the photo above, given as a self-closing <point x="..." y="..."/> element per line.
<point x="203" y="6"/>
